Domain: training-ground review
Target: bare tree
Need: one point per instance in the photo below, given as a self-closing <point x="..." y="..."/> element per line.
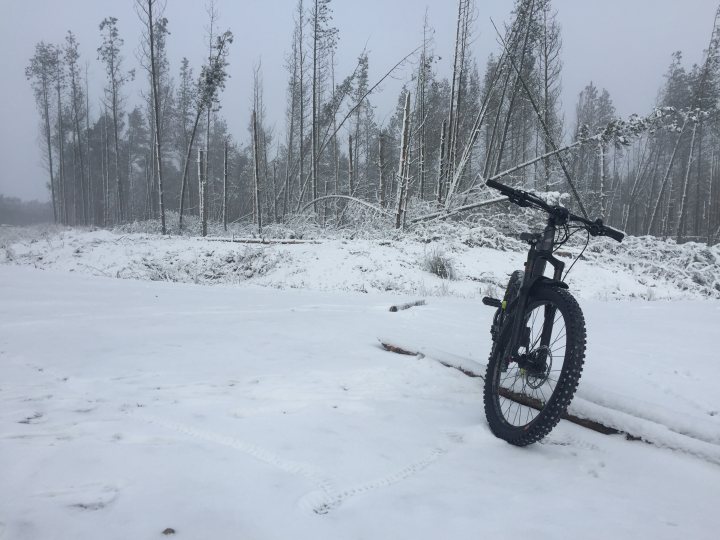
<point x="202" y="180"/>
<point x="109" y="53"/>
<point x="256" y="173"/>
<point x="40" y="73"/>
<point x="59" y="80"/>
<point x="403" y="173"/>
<point x="684" y="191"/>
<point x="186" y="99"/>
<point x="90" y="190"/>
<point x="150" y="13"/>
<point x="76" y="106"/>
<point x="211" y="81"/>
<point x="323" y="39"/>
<point x="225" y="186"/>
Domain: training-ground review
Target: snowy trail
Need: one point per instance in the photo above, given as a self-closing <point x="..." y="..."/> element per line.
<point x="128" y="407"/>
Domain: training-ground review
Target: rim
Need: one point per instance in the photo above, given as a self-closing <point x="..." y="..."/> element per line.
<point x="525" y="387"/>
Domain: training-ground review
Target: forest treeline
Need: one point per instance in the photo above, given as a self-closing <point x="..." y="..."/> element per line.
<point x="495" y="117"/>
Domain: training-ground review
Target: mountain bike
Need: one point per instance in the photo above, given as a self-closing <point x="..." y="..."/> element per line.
<point x="538" y="330"/>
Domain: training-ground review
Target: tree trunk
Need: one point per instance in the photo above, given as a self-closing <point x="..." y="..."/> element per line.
<point x="291" y="133"/>
<point x="78" y="144"/>
<point x="351" y="169"/>
<point x="106" y="172"/>
<point x="256" y="170"/>
<point x="603" y="195"/>
<point x="686" y="181"/>
<point x="381" y="166"/>
<point x="315" y="126"/>
<point x="154" y="76"/>
<point x="663" y="184"/>
<point x="48" y="141"/>
<point x="403" y="176"/>
<point x="453" y="88"/>
<point x="225" y="186"/>
<point x="90" y="199"/>
<point x="698" y="184"/>
<point x="202" y="191"/>
<point x="302" y="102"/>
<point x="61" y="152"/>
<point x="441" y="169"/>
<point x="116" y="133"/>
<point x="186" y="164"/>
<point x="515" y="90"/>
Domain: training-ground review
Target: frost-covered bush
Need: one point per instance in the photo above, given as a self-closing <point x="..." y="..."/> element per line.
<point x="438" y="263"/>
<point x="206" y="266"/>
<point x="649" y="267"/>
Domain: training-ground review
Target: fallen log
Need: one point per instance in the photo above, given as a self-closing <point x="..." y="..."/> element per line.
<point x="521" y="398"/>
<point x="401" y="307"/>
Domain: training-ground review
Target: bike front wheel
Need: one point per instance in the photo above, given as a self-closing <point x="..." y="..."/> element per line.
<point x="528" y="390"/>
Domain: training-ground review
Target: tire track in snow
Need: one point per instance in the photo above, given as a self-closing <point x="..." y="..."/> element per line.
<point x="322" y="503"/>
<point x="295" y="468"/>
<point x="319" y="501"/>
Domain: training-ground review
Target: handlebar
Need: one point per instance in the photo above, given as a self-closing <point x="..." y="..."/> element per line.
<point x="526" y="199"/>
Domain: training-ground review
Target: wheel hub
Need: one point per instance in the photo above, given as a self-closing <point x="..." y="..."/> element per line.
<point x="536" y="366"/>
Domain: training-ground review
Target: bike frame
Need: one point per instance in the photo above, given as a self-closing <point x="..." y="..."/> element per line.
<point x="539" y="256"/>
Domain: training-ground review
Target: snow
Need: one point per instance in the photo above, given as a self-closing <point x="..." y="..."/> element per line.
<point x="481" y="259"/>
<point x="129" y="406"/>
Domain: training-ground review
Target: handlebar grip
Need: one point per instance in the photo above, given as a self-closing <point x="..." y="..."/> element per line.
<point x="613" y="233"/>
<point x="500" y="187"/>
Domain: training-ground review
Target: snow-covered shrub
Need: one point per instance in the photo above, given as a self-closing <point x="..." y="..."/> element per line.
<point x="438" y="263"/>
<point x="206" y="266"/>
<point x="646" y="267"/>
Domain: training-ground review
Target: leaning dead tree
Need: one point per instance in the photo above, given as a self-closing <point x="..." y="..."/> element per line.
<point x="213" y="76"/>
<point x="334" y="128"/>
<point x="618" y="131"/>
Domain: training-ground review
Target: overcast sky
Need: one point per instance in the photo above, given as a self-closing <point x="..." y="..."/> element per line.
<point x="621" y="45"/>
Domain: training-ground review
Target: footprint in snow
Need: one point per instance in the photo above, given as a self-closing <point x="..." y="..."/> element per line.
<point x="89" y="497"/>
<point x="31" y="419"/>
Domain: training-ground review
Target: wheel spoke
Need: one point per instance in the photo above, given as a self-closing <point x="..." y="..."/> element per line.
<point x="527" y="389"/>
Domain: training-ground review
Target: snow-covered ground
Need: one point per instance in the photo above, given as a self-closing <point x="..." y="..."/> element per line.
<point x="264" y="407"/>
<point x="128" y="407"/>
<point x="480" y="260"/>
